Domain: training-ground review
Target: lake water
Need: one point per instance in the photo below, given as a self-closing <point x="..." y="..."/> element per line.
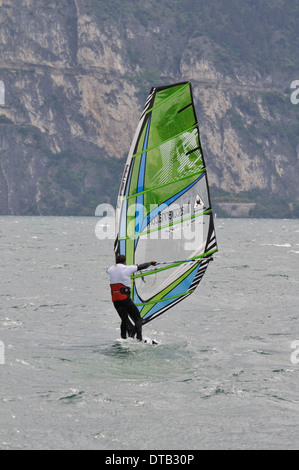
<point x="224" y="376"/>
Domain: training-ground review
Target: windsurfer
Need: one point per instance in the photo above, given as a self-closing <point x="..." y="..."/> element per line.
<point x="120" y="284"/>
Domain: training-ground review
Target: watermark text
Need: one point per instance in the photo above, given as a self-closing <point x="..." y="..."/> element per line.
<point x="295" y="353"/>
<point x="295" y="94"/>
<point x="163" y="222"/>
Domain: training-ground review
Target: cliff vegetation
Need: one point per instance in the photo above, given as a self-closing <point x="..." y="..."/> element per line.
<point x="74" y="75"/>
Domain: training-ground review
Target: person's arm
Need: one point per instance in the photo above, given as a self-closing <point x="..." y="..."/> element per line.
<point x="146" y="265"/>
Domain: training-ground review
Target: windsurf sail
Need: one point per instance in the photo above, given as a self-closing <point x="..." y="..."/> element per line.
<point x="164" y="210"/>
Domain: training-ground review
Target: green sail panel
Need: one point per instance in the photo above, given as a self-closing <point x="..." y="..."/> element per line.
<point x="164" y="209"/>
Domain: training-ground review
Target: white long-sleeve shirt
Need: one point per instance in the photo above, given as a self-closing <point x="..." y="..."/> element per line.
<point x="121" y="274"/>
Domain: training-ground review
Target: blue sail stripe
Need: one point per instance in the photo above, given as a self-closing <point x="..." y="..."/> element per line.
<point x="169" y="201"/>
<point x="123" y="220"/>
<point x="140" y="184"/>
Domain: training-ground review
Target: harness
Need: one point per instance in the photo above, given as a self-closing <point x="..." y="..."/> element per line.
<point x="119" y="292"/>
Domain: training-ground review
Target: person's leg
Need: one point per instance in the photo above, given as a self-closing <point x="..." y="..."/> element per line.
<point x="131" y="329"/>
<point x="122" y="312"/>
<point x="135" y="316"/>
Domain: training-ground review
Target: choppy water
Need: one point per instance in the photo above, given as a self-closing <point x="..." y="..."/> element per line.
<point x="222" y="377"/>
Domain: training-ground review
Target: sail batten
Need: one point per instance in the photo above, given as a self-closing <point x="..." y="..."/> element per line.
<point x="164" y="210"/>
<point x="136" y="235"/>
<point x="166" y="184"/>
<point x="164" y="141"/>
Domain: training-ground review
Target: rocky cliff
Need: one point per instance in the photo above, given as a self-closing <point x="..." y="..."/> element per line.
<point x="74" y="78"/>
